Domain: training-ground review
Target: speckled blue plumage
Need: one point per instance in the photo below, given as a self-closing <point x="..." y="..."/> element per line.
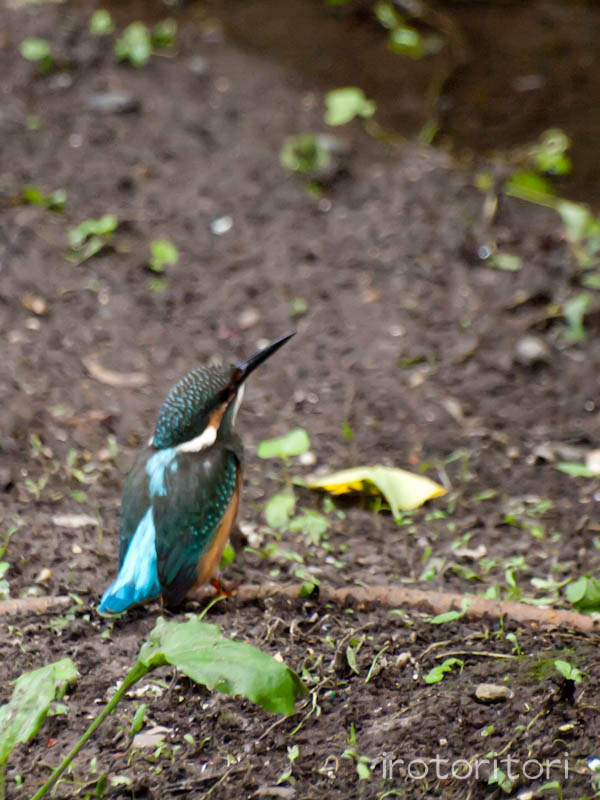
<point x="185" y="411"/>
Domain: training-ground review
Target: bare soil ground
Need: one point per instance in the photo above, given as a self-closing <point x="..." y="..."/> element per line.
<point x="408" y="337"/>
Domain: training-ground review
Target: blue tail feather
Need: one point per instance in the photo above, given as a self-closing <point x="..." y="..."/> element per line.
<point x="137" y="580"/>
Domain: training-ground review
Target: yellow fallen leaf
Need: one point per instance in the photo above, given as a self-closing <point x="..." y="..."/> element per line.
<point x="403" y="490"/>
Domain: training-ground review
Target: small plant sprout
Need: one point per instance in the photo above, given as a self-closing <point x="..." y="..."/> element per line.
<point x="55" y="201"/>
<point x="403" y="38"/>
<point x="163" y="253"/>
<point x="101" y="23"/>
<point x="574" y="311"/>
<point x="343" y="105"/>
<point x="568" y="671"/>
<point x="137" y="43"/>
<point x="436" y="674"/>
<point x="39" y="51"/>
<point x="362" y="762"/>
<point x="549" y="153"/>
<point x="90" y="237"/>
<point x="284" y="447"/>
<point x="304" y="153"/>
<point x="134" y="45"/>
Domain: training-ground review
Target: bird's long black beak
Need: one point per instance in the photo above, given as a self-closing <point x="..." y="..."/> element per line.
<point x="246" y="367"/>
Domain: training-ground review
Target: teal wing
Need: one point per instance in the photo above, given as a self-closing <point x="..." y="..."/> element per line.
<point x="137" y="580"/>
<point x="187" y="515"/>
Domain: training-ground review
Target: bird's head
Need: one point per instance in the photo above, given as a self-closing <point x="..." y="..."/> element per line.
<point x="205" y="402"/>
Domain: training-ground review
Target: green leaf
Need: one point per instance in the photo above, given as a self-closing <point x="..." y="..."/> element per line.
<point x="34" y="49"/>
<point x="450" y="616"/>
<point x="138" y="720"/>
<point x="290" y="444"/>
<point x="304" y="153"/>
<point x="312" y="524"/>
<point x="134" y="45"/>
<point x="509" y="262"/>
<point x="568" y="671"/>
<point x="436" y="674"/>
<point x="23" y="716"/>
<point x="228" y="556"/>
<point x="101" y="23"/>
<point x="279" y="509"/>
<point x="163" y="254"/>
<point x="164" y="33"/>
<point x="576" y="218"/>
<point x="103" y="226"/>
<point x="345" y="104"/>
<point x="202" y="653"/>
<point x="584" y="593"/>
<point x="577" y="470"/>
<point x="574" y="311"/>
<point x="402" y="490"/>
<point x="531" y="187"/>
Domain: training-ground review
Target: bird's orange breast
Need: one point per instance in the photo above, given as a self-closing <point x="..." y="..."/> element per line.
<point x="210" y="558"/>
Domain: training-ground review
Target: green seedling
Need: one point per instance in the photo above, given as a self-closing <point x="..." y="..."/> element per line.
<point x="451" y="616"/>
<point x="163" y="253"/>
<point x="549" y="153"/>
<point x="134" y="45"/>
<point x="284" y="447"/>
<point x="55" y="201"/>
<point x="577" y="470"/>
<point x="508" y="262"/>
<point x="23" y="716"/>
<point x="343" y="105"/>
<point x="164" y="34"/>
<point x="568" y="671"/>
<point x="305" y="153"/>
<point x="279" y="509"/>
<point x="101" y="23"/>
<point x="90" y="237"/>
<point x="202" y="653"/>
<point x="574" y="311"/>
<point x="292" y="754"/>
<point x="137" y="43"/>
<point x="362" y="762"/>
<point x="38" y="51"/>
<point x="403" y="38"/>
<point x="436" y="674"/>
<point x="584" y="594"/>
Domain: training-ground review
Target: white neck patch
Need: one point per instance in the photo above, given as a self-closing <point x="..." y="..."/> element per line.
<point x="238" y="402"/>
<point x="207" y="438"/>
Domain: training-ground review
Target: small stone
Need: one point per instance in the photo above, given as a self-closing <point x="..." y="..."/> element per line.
<point x="221" y="225"/>
<point x="592" y="460"/>
<point x="34" y="303"/>
<point x="402" y="659"/>
<point x="492" y="693"/>
<point x="112" y="103"/>
<point x="531" y="351"/>
<point x="44" y="575"/>
<point x="249" y="318"/>
<point x="307" y="459"/>
<point x="76" y="549"/>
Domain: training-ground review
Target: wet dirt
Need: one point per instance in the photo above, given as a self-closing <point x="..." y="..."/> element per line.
<point x="409" y="337"/>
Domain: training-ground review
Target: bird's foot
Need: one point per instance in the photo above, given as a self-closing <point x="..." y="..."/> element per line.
<point x="225" y="590"/>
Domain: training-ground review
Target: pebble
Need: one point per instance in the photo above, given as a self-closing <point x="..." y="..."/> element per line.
<point x="492" y="693"/>
<point x="531" y="350"/>
<point x="112" y="103"/>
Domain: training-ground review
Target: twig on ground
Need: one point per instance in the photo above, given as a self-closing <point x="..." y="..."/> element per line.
<point x="387" y="596"/>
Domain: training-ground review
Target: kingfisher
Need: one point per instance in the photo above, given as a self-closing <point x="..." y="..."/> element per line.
<point x="181" y="496"/>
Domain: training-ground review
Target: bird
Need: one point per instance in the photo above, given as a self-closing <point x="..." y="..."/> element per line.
<point x="181" y="497"/>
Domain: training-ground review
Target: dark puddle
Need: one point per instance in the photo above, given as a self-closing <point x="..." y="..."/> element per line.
<point x="506" y="71"/>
